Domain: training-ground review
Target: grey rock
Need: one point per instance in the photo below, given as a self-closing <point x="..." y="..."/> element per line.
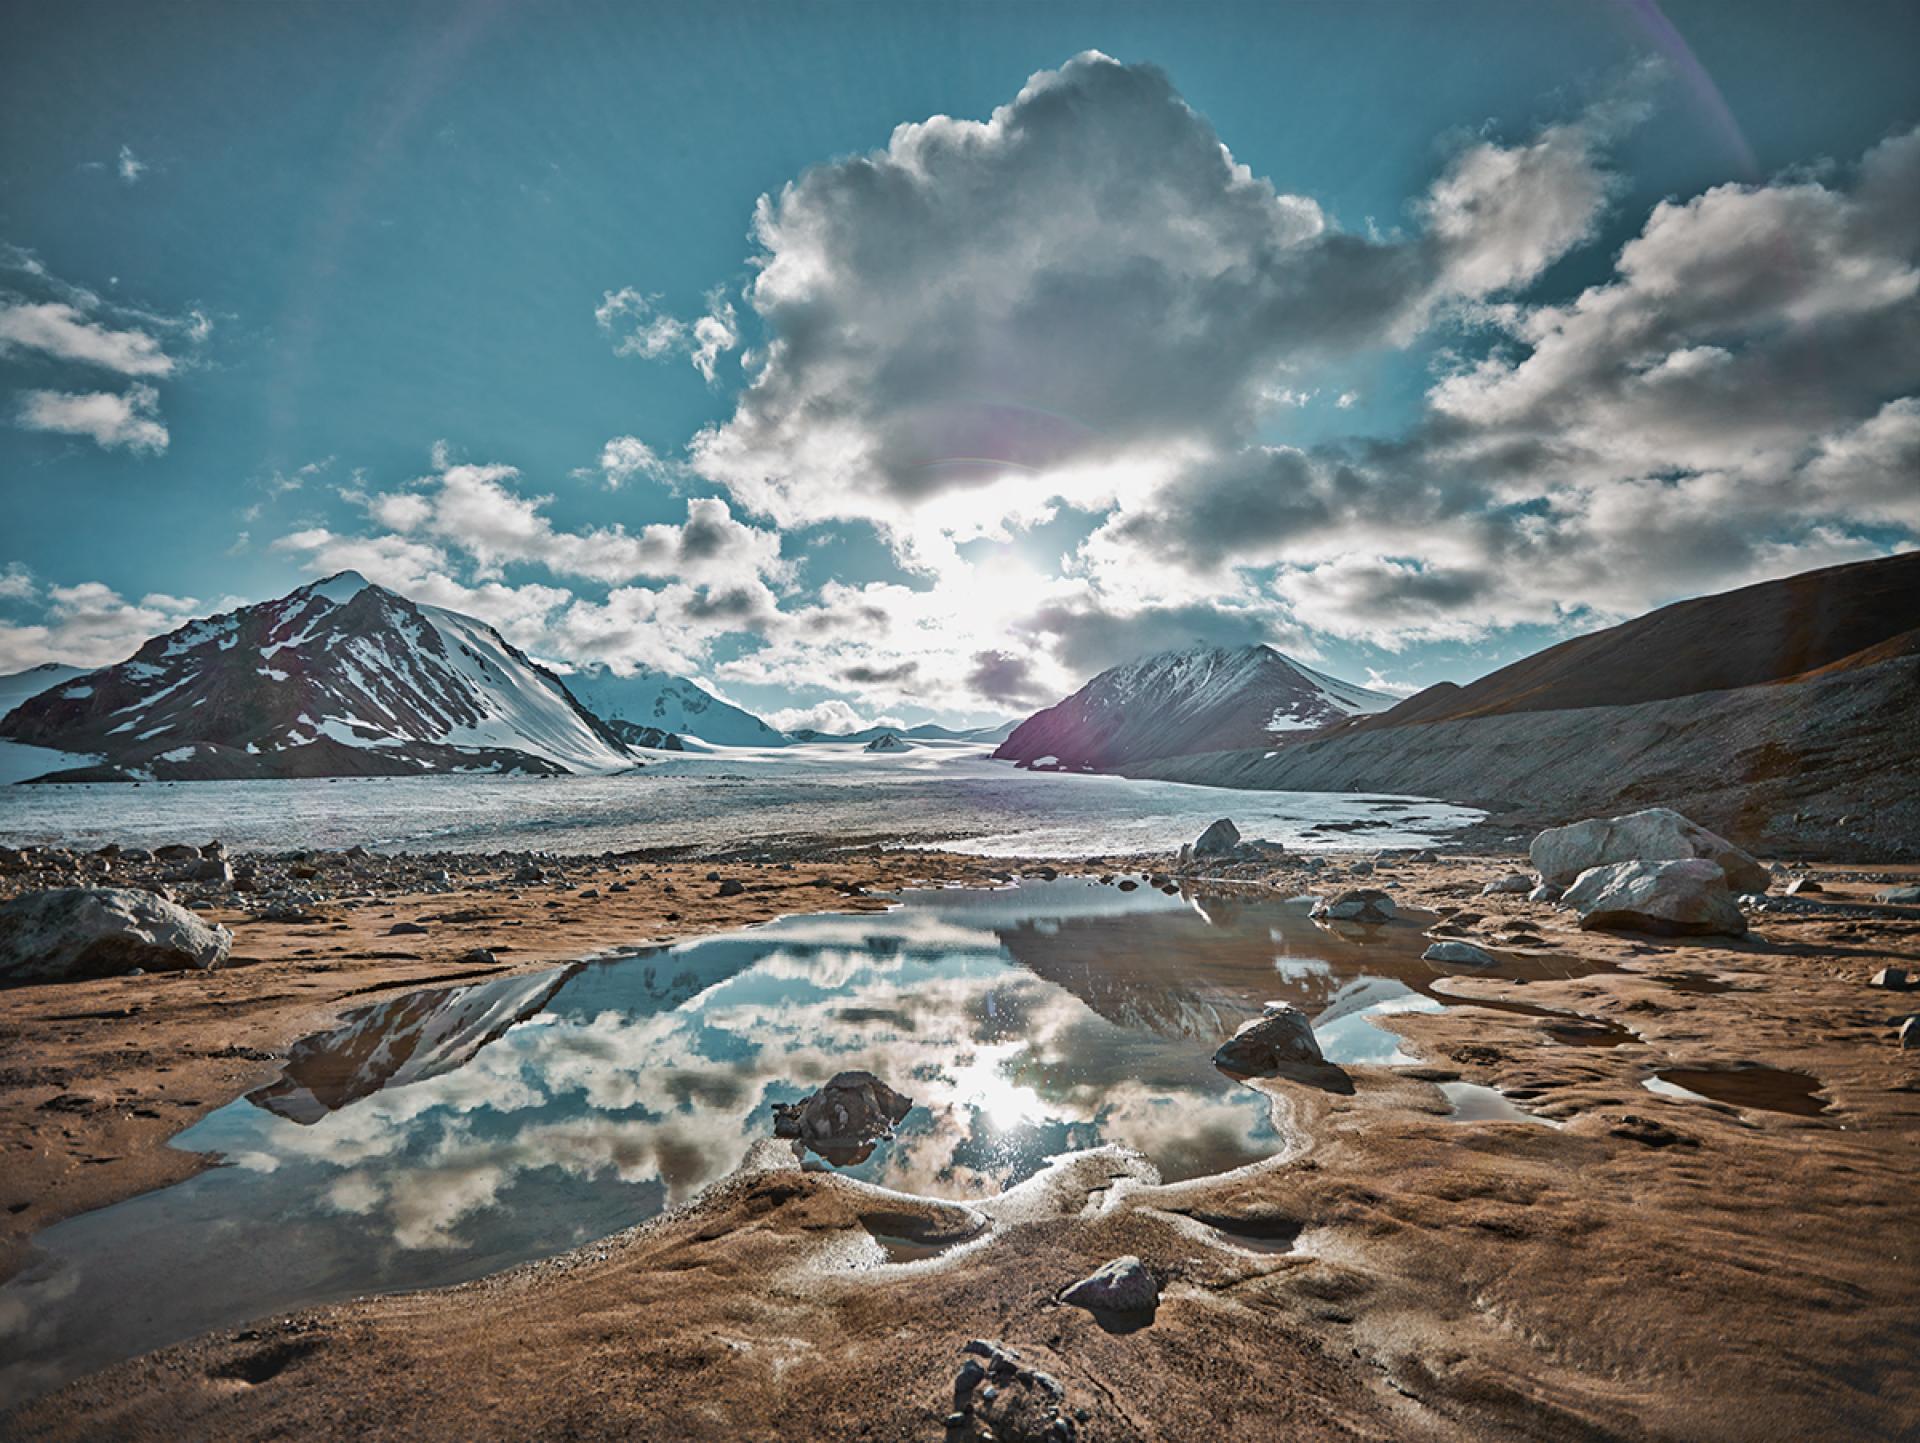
<point x="1121" y="1286"/>
<point x="732" y="887"/>
<point x="1894" y="979"/>
<point x="1908" y="895"/>
<point x="1218" y="840"/>
<point x="1357" y="904"/>
<point x="102" y="931"/>
<point x="1512" y="882"/>
<point x="1669" y="899"/>
<point x="1282" y="1035"/>
<point x="1010" y="1401"/>
<point x="1657" y="834"/>
<point x="1459" y="954"/>
<point x="176" y="852"/>
<point x="1545" y="892"/>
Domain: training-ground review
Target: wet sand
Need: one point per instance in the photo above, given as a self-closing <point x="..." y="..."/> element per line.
<point x="1651" y="1267"/>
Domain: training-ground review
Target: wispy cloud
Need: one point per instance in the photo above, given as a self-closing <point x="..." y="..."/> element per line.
<point x="129" y="166"/>
<point x="111" y="419"/>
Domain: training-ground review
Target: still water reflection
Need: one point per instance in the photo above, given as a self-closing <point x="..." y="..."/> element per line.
<point x="447" y="1134"/>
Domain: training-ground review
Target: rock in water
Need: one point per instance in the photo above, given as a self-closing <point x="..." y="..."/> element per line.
<point x="100" y="931"/>
<point x="1358" y="904"/>
<point x="1218" y="840"/>
<point x="1263" y="1046"/>
<point x="1121" y="1286"/>
<point x="1658" y="834"/>
<point x="843" y="1120"/>
<point x="1460" y="954"/>
<point x="1668" y="899"/>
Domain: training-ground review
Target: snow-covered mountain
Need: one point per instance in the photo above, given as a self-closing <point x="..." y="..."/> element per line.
<point x="1177" y="703"/>
<point x="339" y="678"/>
<point x="410" y="1039"/>
<point x="654" y="702"/>
<point x="16" y="687"/>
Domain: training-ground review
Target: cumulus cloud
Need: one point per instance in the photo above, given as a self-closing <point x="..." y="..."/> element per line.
<point x="110" y="419"/>
<point x="638" y="327"/>
<point x="1087" y="276"/>
<point x="85" y="624"/>
<point x="833" y="715"/>
<point x="129" y="166"/>
<point x="625" y="457"/>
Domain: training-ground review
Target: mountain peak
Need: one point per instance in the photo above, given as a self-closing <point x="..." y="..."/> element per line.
<point x="339" y="588"/>
<point x="1198" y="698"/>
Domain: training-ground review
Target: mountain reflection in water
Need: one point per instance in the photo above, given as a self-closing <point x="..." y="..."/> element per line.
<point x="446" y="1134"/>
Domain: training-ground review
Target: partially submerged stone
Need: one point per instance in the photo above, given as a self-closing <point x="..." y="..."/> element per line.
<point x="843" y="1120"/>
<point x="1121" y="1286"/>
<point x="1357" y="904"/>
<point x="1262" y="1047"/>
<point x="1669" y="899"/>
<point x="1657" y="834"/>
<point x="75" y="932"/>
<point x="1459" y="954"/>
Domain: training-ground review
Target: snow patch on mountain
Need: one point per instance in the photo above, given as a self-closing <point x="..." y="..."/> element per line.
<point x="658" y="702"/>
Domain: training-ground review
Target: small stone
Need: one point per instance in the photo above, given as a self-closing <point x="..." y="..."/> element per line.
<point x="1800" y="886"/>
<point x="1513" y="882"/>
<point x="1894" y="979"/>
<point x="732" y="887"/>
<point x="406" y="929"/>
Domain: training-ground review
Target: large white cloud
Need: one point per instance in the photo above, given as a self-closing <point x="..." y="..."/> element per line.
<point x="1086" y="277"/>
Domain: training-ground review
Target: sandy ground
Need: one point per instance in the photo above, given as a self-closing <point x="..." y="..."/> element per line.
<point x="1649" y="1268"/>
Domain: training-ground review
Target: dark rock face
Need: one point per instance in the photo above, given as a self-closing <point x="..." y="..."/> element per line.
<point x="1205" y="699"/>
<point x="844" y="1120"/>
<point x="1121" y="1286"/>
<point x="341" y="678"/>
<point x="635" y="735"/>
<point x="76" y="932"/>
<point x="1282" y="1037"/>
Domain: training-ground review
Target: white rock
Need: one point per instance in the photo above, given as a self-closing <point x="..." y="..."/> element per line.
<point x="1658" y="834"/>
<point x="1672" y="899"/>
<point x="102" y="931"/>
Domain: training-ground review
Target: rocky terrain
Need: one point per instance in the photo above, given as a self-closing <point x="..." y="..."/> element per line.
<point x="1609" y="1262"/>
<point x="1202" y="699"/>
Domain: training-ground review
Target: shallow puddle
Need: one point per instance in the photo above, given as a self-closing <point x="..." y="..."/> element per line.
<point x="1764" y="1089"/>
<point x="1474" y="1103"/>
<point x="446" y="1134"/>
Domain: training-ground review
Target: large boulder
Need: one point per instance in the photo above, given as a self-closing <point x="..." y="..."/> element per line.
<point x="1357" y="904"/>
<point x="1218" y="840"/>
<point x="1261" y="1048"/>
<point x="102" y="931"/>
<point x="843" y="1120"/>
<point x="1658" y="834"/>
<point x="1670" y="899"/>
<point x="1121" y="1286"/>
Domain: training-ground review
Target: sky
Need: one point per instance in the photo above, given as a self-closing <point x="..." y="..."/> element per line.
<point x="920" y="361"/>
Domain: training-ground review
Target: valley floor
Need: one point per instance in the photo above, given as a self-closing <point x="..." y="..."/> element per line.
<point x="1651" y="1267"/>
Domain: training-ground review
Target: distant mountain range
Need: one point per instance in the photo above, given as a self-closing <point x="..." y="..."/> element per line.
<point x="1781" y="715"/>
<point x="346" y="678"/>
<point x="926" y="731"/>
<point x="339" y="678"/>
<point x="1176" y="703"/>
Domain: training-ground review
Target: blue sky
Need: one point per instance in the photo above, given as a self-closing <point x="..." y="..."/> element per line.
<point x="289" y="286"/>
